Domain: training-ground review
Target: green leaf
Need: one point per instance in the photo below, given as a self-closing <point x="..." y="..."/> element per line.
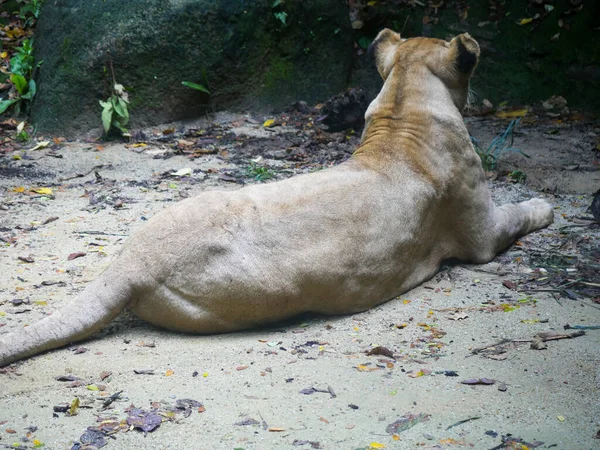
<point x="121" y="108"/>
<point x="282" y="16"/>
<point x="16" y="64"/>
<point x="196" y="86"/>
<point x="31" y="91"/>
<point x="120" y="126"/>
<point x="204" y="78"/>
<point x="20" y="82"/>
<point x="107" y="113"/>
<point x="123" y="104"/>
<point x="277" y="3"/>
<point x="5" y="104"/>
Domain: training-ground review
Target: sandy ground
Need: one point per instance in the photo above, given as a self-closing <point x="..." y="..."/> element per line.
<point x="255" y="386"/>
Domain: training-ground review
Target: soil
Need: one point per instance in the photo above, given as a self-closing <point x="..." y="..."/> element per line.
<point x="307" y="383"/>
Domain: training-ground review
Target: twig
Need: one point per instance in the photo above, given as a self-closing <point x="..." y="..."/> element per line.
<point x="112" y="70"/>
<point x="551" y="336"/>
<point x="460" y="422"/>
<point x="100" y="233"/>
<point x="581" y="327"/>
<point x="525" y="291"/>
<point x="587" y="283"/>
<point x="79" y="175"/>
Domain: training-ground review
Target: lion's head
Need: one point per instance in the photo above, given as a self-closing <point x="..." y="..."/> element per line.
<point x="410" y="62"/>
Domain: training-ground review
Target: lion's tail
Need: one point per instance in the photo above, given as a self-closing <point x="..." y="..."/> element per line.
<point x="99" y="303"/>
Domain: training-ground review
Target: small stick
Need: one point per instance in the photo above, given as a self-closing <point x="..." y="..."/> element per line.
<point x="460" y="422"/>
<point x="587" y="283"/>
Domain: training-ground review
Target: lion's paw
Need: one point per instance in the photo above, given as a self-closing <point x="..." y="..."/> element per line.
<point x="541" y="213"/>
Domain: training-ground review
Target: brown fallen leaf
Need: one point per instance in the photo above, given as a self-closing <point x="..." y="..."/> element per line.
<point x="49" y="220"/>
<point x="26" y="259"/>
<point x="380" y="350"/>
<point x="241" y="368"/>
<point x="276" y="429"/>
<point x="104" y="375"/>
<point x="323" y="419"/>
<point x="75" y="255"/>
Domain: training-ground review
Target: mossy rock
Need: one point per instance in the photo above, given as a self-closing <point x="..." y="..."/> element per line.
<point x="252" y="59"/>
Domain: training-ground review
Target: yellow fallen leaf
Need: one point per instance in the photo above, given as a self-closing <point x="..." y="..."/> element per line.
<point x="269" y="123"/>
<point x="406" y="302"/>
<point x="395" y="437"/>
<point x="525" y="21"/>
<point x="169" y="373"/>
<point x="560" y="418"/>
<point x="511" y="114"/>
<point x="205" y="374"/>
<point x="41" y="145"/>
<point x="276" y="429"/>
<point x="139" y="144"/>
<point x="2" y="314"/>
<point x="363" y="368"/>
<point x="41" y="303"/>
<point x="74" y="407"/>
<point x="3" y="54"/>
<point x="19" y="189"/>
<point x="376" y="445"/>
<point x="42" y="191"/>
<point x="92" y="387"/>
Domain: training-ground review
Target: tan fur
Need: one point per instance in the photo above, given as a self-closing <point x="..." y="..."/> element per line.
<point x="333" y="242"/>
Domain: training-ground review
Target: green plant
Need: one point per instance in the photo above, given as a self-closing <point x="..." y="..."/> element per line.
<point x="517" y="176"/>
<point x="30" y="11"/>
<point x="500" y="144"/>
<point x="203" y="86"/>
<point x="115" y="112"/>
<point x="22" y="62"/>
<point x="258" y="172"/>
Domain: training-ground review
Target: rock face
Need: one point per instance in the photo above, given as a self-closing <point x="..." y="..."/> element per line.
<point x="255" y="54"/>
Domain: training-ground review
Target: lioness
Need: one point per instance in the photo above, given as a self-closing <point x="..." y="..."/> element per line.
<point x="334" y="242"/>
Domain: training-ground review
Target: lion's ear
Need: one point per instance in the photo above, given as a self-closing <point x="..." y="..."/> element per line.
<point x="383" y="51"/>
<point x="464" y="53"/>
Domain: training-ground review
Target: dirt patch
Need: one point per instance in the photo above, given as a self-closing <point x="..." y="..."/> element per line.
<point x="450" y="363"/>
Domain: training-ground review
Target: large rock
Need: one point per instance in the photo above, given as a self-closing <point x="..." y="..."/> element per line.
<point x="250" y="57"/>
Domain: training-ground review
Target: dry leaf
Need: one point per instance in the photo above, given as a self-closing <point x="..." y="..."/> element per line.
<point x="525" y="21"/>
<point x="512" y="114"/>
<point x="42" y="191"/>
<point x="41" y="145"/>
